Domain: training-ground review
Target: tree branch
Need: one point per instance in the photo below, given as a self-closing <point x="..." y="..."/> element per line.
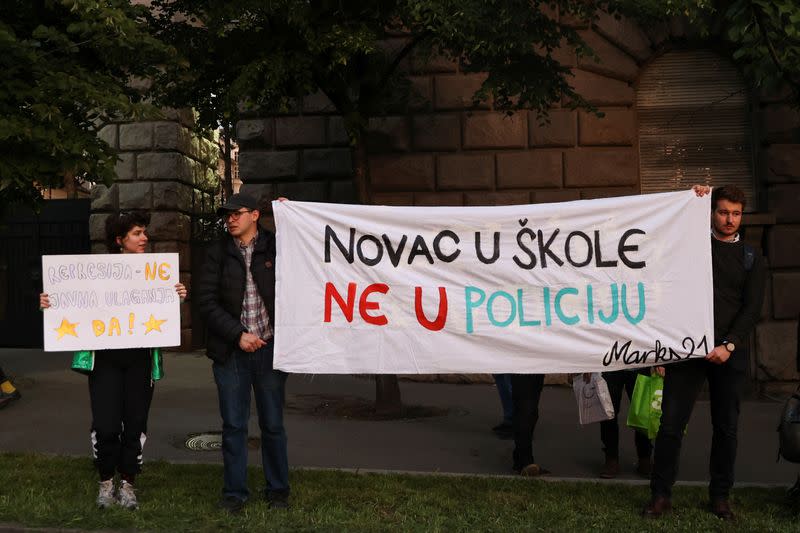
<point x="376" y="90"/>
<point x="759" y="16"/>
<point x="387" y="74"/>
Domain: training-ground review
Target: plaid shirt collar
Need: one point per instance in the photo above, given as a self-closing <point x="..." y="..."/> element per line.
<point x="250" y="245"/>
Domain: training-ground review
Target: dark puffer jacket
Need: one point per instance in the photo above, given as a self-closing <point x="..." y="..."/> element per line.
<point x="220" y="291"/>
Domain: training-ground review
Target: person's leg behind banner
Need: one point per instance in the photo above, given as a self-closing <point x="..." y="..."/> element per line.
<point x="505" y="429"/>
<point x="526" y="389"/>
<point x="609" y="429"/>
<point x="644" y="448"/>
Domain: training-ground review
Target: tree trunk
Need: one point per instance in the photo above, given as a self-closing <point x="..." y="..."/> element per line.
<point x="387" y="396"/>
<point x="227" y="180"/>
<point x="70" y="185"/>
<point x="387" y="388"/>
<point x="361" y="171"/>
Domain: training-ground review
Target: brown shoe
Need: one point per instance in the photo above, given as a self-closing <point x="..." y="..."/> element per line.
<point x="658" y="506"/>
<point x="722" y="508"/>
<point x="533" y="470"/>
<point x="611" y="468"/>
<point x="645" y="467"/>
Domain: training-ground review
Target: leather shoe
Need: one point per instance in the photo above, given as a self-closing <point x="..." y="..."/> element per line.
<point x="611" y="468"/>
<point x="533" y="470"/>
<point x="645" y="467"/>
<point x="658" y="506"/>
<point x="277" y="499"/>
<point x="504" y="431"/>
<point x="722" y="508"/>
<point x="231" y="504"/>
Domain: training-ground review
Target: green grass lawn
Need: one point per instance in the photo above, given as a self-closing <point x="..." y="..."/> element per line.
<point x="38" y="490"/>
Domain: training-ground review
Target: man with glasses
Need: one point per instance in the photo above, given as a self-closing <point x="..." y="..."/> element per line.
<point x="236" y="296"/>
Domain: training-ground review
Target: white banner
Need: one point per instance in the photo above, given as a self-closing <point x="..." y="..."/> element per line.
<point x="104" y="301"/>
<point x="583" y="286"/>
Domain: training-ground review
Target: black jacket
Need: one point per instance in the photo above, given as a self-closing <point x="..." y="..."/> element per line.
<point x="220" y="291"/>
<point x="738" y="296"/>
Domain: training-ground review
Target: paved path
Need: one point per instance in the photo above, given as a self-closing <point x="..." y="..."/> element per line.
<point x="53" y="417"/>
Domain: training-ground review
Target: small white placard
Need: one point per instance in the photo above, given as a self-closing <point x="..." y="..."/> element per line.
<point x="106" y="301"/>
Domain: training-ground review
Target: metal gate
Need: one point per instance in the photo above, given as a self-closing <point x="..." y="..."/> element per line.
<point x="207" y="228"/>
<point x="62" y="227"/>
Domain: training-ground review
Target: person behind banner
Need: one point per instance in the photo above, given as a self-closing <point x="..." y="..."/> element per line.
<point x="526" y="390"/>
<point x="739" y="277"/>
<point x="236" y="295"/>
<point x="619" y="381"/>
<point x="505" y="429"/>
<point x="121" y="384"/>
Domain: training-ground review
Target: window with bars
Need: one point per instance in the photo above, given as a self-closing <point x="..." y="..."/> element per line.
<point x="694" y="126"/>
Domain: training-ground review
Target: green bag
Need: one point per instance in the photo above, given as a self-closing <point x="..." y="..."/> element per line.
<point x="158" y="366"/>
<point x="645" y="409"/>
<point x="83" y="362"/>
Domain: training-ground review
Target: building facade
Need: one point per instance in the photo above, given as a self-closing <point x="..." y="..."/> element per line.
<point x="675" y="113"/>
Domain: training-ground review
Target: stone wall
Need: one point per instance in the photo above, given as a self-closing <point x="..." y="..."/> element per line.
<point x="779" y="170"/>
<point x="167" y="171"/>
<point x="449" y="151"/>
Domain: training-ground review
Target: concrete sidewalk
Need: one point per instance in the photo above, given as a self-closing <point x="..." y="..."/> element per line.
<point x="53" y="417"/>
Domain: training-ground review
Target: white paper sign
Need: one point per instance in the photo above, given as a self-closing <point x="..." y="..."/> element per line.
<point x="104" y="301"/>
<point x="581" y="286"/>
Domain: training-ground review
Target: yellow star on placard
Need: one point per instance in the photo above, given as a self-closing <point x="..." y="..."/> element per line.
<point x="153" y="324"/>
<point x="66" y="328"/>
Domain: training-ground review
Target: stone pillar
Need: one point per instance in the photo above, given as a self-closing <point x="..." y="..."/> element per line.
<point x="168" y="171"/>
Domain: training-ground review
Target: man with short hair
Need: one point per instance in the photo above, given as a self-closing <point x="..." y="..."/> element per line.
<point x="236" y="296"/>
<point x="738" y="293"/>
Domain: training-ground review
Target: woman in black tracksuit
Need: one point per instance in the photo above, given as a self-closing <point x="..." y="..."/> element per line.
<point x="120" y="384"/>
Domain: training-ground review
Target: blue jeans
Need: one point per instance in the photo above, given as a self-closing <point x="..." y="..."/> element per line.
<point x="234" y="379"/>
<point x="503" y="382"/>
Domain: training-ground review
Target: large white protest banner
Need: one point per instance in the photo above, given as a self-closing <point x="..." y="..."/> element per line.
<point x="580" y="286"/>
<point x="103" y="301"/>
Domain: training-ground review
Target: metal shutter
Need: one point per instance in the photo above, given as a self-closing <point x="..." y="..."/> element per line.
<point x="693" y="124"/>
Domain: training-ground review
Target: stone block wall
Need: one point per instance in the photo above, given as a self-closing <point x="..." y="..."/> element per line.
<point x="303" y="157"/>
<point x="168" y="171"/>
<point x="450" y="150"/>
<point x="779" y="168"/>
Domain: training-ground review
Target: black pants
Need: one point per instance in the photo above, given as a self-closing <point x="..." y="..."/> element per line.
<point x="681" y="387"/>
<point x="525" y="392"/>
<point x="120" y="389"/>
<point x="3" y="376"/>
<point x="619" y="381"/>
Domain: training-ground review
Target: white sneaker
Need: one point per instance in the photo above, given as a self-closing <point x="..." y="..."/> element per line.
<point x="105" y="494"/>
<point x="127" y="496"/>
